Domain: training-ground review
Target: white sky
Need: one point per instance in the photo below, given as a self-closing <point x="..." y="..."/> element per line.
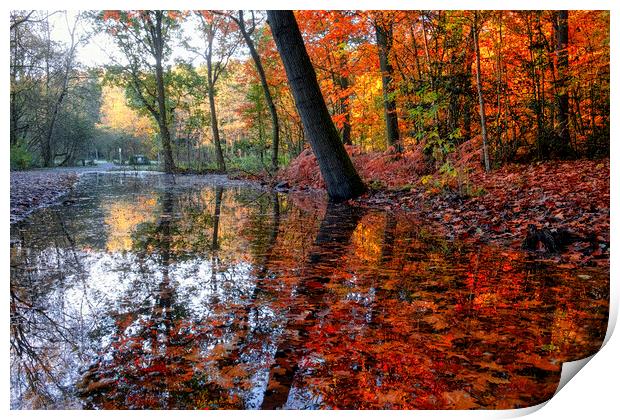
<point x="100" y="47"/>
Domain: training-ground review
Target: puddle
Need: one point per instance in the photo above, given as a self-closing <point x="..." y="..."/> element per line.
<point x="143" y="291"/>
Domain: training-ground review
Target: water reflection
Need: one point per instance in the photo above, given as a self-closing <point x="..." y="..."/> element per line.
<point x="153" y="292"/>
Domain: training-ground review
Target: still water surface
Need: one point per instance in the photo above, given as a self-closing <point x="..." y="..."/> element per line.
<point x="147" y="291"/>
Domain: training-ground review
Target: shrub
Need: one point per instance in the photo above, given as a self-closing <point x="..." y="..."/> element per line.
<point x="21" y="158"/>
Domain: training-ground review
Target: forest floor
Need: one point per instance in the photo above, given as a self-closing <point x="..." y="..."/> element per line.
<point x="568" y="200"/>
<point x="36" y="188"/>
<point x="500" y="207"/>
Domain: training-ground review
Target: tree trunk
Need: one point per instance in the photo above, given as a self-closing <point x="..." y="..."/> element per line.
<point x="560" y="25"/>
<point x="341" y="178"/>
<point x="343" y="83"/>
<point x="498" y="117"/>
<point x="211" y="78"/>
<point x="468" y="91"/>
<point x="383" y="32"/>
<point x="275" y="126"/>
<point x="221" y="165"/>
<point x="483" y="123"/>
<point x="48" y="158"/>
<point x="158" y="45"/>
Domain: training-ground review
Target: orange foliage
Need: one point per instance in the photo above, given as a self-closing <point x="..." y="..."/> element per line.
<point x="392" y="170"/>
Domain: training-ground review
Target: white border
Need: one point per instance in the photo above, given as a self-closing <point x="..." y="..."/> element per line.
<point x="593" y="394"/>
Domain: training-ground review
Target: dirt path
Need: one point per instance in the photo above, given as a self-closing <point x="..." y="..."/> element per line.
<point x="36" y="188"/>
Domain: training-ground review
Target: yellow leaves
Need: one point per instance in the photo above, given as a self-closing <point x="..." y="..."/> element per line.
<point x="122" y="218"/>
<point x="367" y="239"/>
<point x="486" y="299"/>
<point x="117" y="115"/>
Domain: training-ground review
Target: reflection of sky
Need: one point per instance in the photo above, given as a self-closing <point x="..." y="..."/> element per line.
<point x="109" y="267"/>
<point x="120" y="282"/>
<point x="96" y="277"/>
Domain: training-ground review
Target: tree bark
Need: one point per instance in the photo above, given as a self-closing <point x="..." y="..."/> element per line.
<point x="483" y="123"/>
<point x="221" y="165"/>
<point x="343" y="83"/>
<point x="341" y="178"/>
<point x="46" y="152"/>
<point x="211" y="79"/>
<point x="384" y="35"/>
<point x="275" y="135"/>
<point x="560" y="25"/>
<point x="158" y="44"/>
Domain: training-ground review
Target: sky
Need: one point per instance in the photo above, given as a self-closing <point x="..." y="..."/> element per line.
<point x="95" y="51"/>
<point x="100" y="47"/>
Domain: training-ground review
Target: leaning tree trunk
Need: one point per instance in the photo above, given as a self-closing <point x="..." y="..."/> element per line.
<point x="341" y="178"/>
<point x="384" y="44"/>
<point x="560" y="24"/>
<point x="275" y="126"/>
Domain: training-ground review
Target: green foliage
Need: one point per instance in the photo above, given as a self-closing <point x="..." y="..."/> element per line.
<point x="248" y="163"/>
<point x="451" y="179"/>
<point x="376" y="184"/>
<point x="21" y="158"/>
<point x="437" y="147"/>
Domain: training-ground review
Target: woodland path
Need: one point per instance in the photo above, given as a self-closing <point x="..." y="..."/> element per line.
<point x="40" y="187"/>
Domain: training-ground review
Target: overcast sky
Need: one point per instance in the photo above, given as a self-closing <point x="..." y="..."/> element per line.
<point x="100" y="47"/>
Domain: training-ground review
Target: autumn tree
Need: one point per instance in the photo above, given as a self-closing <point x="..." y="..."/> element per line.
<point x="340" y="176"/>
<point x="53" y="100"/>
<point x="221" y="44"/>
<point x="483" y="123"/>
<point x="560" y="26"/>
<point x="336" y="40"/>
<point x="275" y="126"/>
<point x="144" y="39"/>
<point x="383" y="23"/>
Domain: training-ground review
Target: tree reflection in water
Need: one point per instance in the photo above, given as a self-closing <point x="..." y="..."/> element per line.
<point x="150" y="292"/>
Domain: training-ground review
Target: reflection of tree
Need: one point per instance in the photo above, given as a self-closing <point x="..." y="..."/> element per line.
<point x="352" y="311"/>
<point x="331" y="243"/>
<point x="216" y="217"/>
<point x="451" y="327"/>
<point x="28" y="362"/>
<point x="248" y="339"/>
<point x="162" y="357"/>
<point x="147" y="366"/>
<point x="40" y="329"/>
<point x="215" y="260"/>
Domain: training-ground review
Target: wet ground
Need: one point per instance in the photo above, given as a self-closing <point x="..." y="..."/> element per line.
<point x="147" y="291"/>
<point x="39" y="187"/>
